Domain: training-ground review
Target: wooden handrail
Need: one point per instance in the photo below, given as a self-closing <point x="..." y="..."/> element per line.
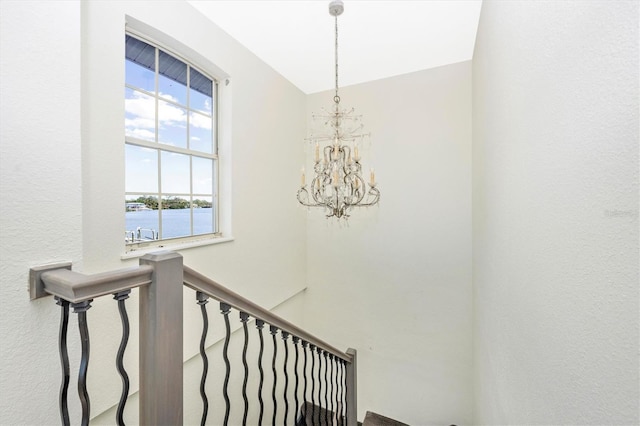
<point x="76" y="287"/>
<point x="199" y="282"/>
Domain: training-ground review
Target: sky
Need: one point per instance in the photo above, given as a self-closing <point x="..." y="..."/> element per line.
<point x="172" y="158"/>
<point x="184" y="121"/>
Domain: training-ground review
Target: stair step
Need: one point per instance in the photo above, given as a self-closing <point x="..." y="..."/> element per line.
<point x="374" y="419"/>
<point x="313" y="415"/>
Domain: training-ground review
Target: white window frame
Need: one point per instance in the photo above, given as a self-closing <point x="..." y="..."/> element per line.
<point x="221" y="155"/>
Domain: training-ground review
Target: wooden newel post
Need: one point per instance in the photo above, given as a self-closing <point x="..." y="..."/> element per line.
<point x="161" y="341"/>
<point x="352" y="388"/>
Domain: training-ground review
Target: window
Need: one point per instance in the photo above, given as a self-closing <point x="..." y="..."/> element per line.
<point x="171" y="153"/>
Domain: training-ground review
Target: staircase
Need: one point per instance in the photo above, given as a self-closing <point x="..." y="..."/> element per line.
<point x="313" y="415"/>
<point x="160" y="278"/>
<point x="374" y="419"/>
<point x="315" y="371"/>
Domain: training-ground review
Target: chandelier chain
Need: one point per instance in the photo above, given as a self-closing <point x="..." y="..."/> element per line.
<point x="337" y="98"/>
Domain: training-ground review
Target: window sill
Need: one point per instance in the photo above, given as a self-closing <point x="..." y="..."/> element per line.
<point x="175" y="246"/>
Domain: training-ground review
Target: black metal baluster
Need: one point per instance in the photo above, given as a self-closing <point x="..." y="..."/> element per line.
<point x="346" y="391"/>
<point x="304" y="376"/>
<point x="244" y="317"/>
<point x="224" y="310"/>
<point x="332" y="387"/>
<point x="338" y="387"/>
<point x="285" y="336"/>
<point x="260" y="326"/>
<point x="343" y="410"/>
<point x="313" y="384"/>
<point x="326" y="389"/>
<point x="337" y="361"/>
<point x="64" y="360"/>
<point x="338" y="404"/>
<point x="338" y="391"/>
<point x="121" y="297"/>
<point x="295" y="370"/>
<point x="320" y="385"/>
<point x="203" y="299"/>
<point x="274" y="331"/>
<point x="81" y="309"/>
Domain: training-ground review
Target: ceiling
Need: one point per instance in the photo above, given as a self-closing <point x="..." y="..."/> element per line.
<point x="377" y="39"/>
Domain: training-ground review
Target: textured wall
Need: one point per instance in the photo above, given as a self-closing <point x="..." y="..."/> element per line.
<point x="62" y="183"/>
<point x="399" y="274"/>
<point x="555" y="213"/>
<point x="40" y="187"/>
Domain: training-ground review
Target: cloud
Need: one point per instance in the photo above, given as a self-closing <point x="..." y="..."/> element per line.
<point x="207" y="105"/>
<point x="200" y="121"/>
<point x="140" y="133"/>
<point x="169" y="97"/>
<point x="140" y="115"/>
<point x="170" y="115"/>
<point x="140" y="106"/>
<point x="139" y="123"/>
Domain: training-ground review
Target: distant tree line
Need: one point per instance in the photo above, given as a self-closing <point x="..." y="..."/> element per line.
<point x="170" y="202"/>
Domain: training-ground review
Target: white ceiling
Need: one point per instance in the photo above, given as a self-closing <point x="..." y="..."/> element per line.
<point x="377" y="39"/>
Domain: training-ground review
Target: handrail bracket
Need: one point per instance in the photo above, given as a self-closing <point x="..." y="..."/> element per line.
<point x="36" y="285"/>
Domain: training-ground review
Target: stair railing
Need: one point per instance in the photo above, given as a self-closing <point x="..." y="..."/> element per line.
<point x="160" y="278"/>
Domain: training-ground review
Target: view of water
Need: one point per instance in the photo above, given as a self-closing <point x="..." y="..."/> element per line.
<point x="175" y="222"/>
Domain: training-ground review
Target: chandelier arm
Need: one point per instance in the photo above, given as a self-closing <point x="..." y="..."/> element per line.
<point x="301" y="200"/>
<point x="319" y="138"/>
<point x="306" y="203"/>
<point x="326" y="152"/>
<point x="363" y="186"/>
<point x="375" y="193"/>
<point x="316" y="193"/>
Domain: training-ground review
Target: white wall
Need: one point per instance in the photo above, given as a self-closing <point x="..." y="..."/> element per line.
<point x="40" y="183"/>
<point x="62" y="183"/>
<point x="395" y="283"/>
<point x="555" y="213"/>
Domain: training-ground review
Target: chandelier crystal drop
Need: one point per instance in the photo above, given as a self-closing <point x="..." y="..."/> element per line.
<point x="337" y="184"/>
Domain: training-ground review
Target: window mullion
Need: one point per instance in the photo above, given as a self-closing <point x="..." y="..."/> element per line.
<point x="164" y="147"/>
<point x="138" y="89"/>
<point x="189" y="147"/>
<point x="188" y="107"/>
<point x="157" y="124"/>
<point x="215" y="118"/>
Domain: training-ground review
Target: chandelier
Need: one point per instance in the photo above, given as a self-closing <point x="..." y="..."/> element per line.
<point x="337" y="184"/>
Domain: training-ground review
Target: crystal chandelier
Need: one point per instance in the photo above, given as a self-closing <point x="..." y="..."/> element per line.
<point x="337" y="183"/>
